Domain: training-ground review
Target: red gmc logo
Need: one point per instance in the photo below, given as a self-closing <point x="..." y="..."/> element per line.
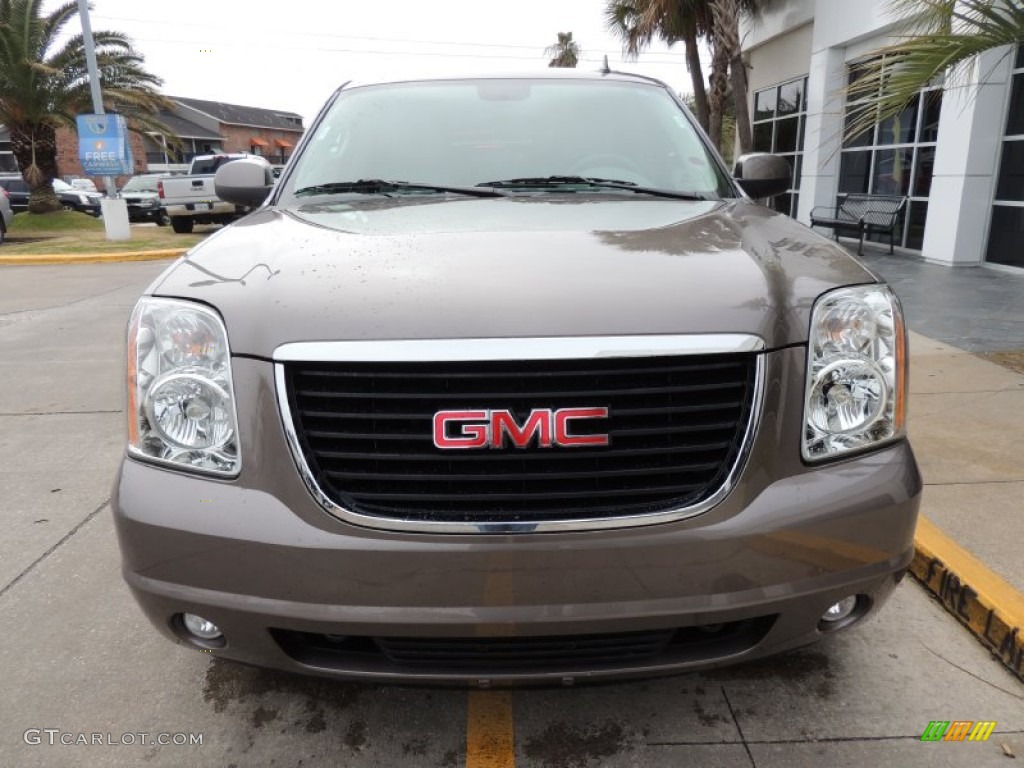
<point x="489" y="429"/>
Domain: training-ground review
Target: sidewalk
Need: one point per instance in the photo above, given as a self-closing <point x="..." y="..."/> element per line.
<point x="966" y="423"/>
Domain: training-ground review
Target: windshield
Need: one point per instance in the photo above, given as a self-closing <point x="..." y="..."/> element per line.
<point x="139" y="184"/>
<point x="465" y="133"/>
<point x="62" y="186"/>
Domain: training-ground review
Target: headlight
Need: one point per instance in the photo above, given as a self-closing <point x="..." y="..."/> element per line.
<point x="181" y="404"/>
<point x="856" y="372"/>
<point x="83" y="199"/>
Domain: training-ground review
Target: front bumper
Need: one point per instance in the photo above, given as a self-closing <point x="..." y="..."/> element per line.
<point x="138" y="213"/>
<point x="263" y="561"/>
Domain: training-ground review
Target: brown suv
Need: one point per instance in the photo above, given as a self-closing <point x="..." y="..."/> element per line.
<point x="508" y="380"/>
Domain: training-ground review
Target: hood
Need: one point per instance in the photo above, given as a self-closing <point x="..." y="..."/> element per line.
<point x="437" y="268"/>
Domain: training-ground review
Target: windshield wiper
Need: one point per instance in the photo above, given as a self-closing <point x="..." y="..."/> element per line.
<point x="589" y="181"/>
<point x="382" y="186"/>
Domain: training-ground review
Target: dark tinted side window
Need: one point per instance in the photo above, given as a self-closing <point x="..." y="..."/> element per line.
<point x="210" y="166"/>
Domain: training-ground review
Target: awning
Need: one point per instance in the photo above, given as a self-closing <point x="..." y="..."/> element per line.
<point x="256" y="141"/>
<point x="283" y="144"/>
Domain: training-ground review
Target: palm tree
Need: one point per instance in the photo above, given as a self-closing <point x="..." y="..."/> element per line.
<point x="940" y="40"/>
<point x="564" y="53"/>
<point x="725" y="37"/>
<point x="44" y="85"/>
<point x="638" y="22"/>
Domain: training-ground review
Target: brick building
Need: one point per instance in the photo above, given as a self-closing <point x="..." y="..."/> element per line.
<point x="270" y="133"/>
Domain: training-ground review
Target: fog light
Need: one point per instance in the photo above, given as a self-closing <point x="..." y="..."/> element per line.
<point x="202" y="628"/>
<point x="840" y="610"/>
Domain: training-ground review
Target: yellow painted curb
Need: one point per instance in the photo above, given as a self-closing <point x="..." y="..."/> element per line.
<point x="88" y="258"/>
<point x="981" y="600"/>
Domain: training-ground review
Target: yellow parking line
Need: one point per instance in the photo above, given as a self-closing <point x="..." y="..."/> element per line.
<point x="489" y="742"/>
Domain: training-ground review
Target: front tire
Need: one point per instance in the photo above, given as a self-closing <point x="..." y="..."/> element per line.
<point x="162" y="219"/>
<point x="182" y="225"/>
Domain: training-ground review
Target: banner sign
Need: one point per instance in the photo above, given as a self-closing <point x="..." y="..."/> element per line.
<point x="103" y="146"/>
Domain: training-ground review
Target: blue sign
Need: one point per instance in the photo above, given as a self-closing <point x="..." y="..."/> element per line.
<point x="103" y="146"/>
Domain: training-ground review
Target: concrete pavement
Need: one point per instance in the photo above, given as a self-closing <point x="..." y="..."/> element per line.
<point x="76" y="654"/>
<point x="966" y="418"/>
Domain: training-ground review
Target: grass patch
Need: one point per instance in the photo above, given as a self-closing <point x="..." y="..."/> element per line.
<point x="31" y="239"/>
<point x="1014" y="359"/>
<point x="59" y="221"/>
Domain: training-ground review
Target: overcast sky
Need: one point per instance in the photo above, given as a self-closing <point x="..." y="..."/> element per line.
<point x="291" y="55"/>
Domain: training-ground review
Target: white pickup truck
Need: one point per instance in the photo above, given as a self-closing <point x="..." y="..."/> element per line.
<point x="191" y="199"/>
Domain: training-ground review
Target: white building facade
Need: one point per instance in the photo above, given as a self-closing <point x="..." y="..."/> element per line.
<point x="957" y="155"/>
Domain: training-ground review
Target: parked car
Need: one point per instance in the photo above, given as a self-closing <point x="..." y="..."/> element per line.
<point x="143" y="199"/>
<point x="71" y="199"/>
<point x="6" y="214"/>
<point x="191" y="199"/>
<point x="509" y="380"/>
<point x="83" y="185"/>
<point x="77" y="200"/>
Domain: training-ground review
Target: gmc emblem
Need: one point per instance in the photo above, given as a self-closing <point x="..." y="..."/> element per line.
<point x="489" y="429"/>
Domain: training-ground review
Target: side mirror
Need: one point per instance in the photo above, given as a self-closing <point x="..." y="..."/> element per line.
<point x="244" y="182"/>
<point x="763" y="175"/>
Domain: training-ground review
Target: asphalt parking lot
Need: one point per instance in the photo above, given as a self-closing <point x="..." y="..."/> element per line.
<point x="78" y="658"/>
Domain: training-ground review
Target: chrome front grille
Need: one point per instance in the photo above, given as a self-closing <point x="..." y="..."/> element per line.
<point x="678" y="426"/>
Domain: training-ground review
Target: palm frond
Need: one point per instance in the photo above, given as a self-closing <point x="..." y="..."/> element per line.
<point x="943" y="40"/>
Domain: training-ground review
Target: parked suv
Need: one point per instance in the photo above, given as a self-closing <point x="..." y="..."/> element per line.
<point x="144" y="205"/>
<point x="71" y="199"/>
<point x="507" y="380"/>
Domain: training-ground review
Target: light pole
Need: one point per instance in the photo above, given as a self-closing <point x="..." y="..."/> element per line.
<point x="115" y="212"/>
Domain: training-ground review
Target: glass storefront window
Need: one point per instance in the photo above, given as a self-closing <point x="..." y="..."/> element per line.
<point x="932" y="103"/>
<point x="900" y="129"/>
<point x="785" y="134"/>
<point x="854" y="171"/>
<point x="764" y="104"/>
<point x="892" y="172"/>
<point x="791" y="98"/>
<point x="763" y="137"/>
<point x="895" y="157"/>
<point x="1006" y="229"/>
<point x="1011" y="172"/>
<point x="923" y="174"/>
<point x="779" y="115"/>
<point x="1006" y="235"/>
<point x="1015" y="117"/>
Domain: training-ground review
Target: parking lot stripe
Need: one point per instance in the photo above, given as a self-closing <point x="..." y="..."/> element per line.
<point x="980" y="599"/>
<point x="489" y="739"/>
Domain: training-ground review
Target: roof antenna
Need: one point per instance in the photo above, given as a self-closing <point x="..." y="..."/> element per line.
<point x="605" y="69"/>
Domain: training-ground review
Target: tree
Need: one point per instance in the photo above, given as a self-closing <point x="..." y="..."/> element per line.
<point x="44" y="85"/>
<point x="564" y="53"/>
<point x="939" y="40"/>
<point x="725" y="28"/>
<point x="638" y="22"/>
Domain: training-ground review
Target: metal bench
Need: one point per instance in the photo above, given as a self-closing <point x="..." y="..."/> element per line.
<point x="862" y="214"/>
